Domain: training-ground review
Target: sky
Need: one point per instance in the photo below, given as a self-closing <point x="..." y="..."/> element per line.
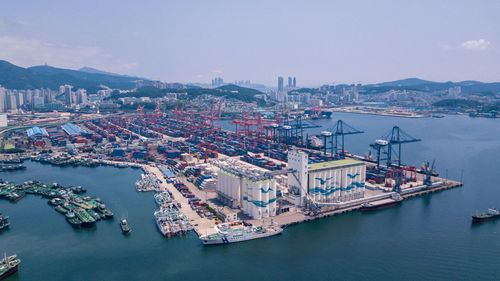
<point x="319" y="42"/>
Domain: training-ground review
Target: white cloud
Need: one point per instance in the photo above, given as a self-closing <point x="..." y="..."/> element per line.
<point x="29" y="52"/>
<point x="217" y="71"/>
<point x="475" y="45"/>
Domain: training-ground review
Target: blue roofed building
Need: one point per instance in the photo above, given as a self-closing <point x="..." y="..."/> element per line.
<point x="37" y="132"/>
<point x="72" y="129"/>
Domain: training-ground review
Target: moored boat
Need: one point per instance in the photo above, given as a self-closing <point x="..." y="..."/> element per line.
<point x="73" y="220"/>
<point x="86" y="218"/>
<point x="231" y="233"/>
<point x="61" y="209"/>
<point x="106" y="213"/>
<point x="381" y="204"/>
<point x="8" y="266"/>
<point x="4" y="222"/>
<point x="16" y="195"/>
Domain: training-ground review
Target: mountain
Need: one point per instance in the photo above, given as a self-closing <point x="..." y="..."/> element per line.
<point x="44" y="76"/>
<point x="408" y="82"/>
<point x="97" y="71"/>
<point x="15" y="77"/>
<point x="468" y="86"/>
<point x="230" y="91"/>
<point x="80" y="79"/>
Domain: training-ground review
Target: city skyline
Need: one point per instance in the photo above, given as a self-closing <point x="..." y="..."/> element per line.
<point x="332" y="43"/>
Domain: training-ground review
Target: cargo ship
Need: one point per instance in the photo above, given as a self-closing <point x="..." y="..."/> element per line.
<point x="86" y="219"/>
<point x="381" y="204"/>
<point x="105" y="212"/>
<point x="16" y="195"/>
<point x="11" y="168"/>
<point x="491" y="214"/>
<point x="73" y="220"/>
<point x="233" y="232"/>
<point x="8" y="266"/>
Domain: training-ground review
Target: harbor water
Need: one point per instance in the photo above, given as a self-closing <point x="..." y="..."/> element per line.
<point x="426" y="238"/>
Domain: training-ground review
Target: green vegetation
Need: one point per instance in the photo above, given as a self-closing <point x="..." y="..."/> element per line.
<point x="15" y="77"/>
<point x="10" y="148"/>
<point x="228" y="91"/>
<point x="148" y="106"/>
<point x="304" y="90"/>
<point x="457" y="103"/>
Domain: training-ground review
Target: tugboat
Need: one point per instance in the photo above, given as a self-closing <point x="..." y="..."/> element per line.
<point x="4" y="222"/>
<point x="491" y="214"/>
<point x="8" y="266"/>
<point x="124" y="226"/>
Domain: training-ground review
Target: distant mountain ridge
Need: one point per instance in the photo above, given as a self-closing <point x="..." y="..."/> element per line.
<point x="97" y="71"/>
<point x="44" y="76"/>
<point x="468" y="86"/>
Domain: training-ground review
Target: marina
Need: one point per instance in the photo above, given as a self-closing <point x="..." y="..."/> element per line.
<point x="79" y="210"/>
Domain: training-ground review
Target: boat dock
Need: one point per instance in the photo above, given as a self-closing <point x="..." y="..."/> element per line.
<point x="201" y="225"/>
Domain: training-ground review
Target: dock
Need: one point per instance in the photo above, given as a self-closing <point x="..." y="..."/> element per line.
<point x="292" y="218"/>
<point x="201" y="225"/>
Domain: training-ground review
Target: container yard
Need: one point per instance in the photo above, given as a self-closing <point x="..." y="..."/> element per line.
<point x="265" y="170"/>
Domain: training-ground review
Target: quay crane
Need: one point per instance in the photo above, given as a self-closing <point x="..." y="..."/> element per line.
<point x="331" y="137"/>
<point x="428" y="169"/>
<point x="396" y="137"/>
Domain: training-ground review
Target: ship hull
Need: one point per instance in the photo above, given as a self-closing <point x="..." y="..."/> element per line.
<point x="9" y="273"/>
<point x="379" y="207"/>
<point x="14" y="200"/>
<point x="241" y="238"/>
<point x="490" y="218"/>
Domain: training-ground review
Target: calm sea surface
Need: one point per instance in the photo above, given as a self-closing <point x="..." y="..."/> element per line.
<point x="426" y="238"/>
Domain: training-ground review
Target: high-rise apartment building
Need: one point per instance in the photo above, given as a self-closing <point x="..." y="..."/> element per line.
<point x="3" y="98"/>
<point x="68" y="95"/>
<point x="280" y="83"/>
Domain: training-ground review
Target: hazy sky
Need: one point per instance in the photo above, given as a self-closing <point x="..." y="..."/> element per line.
<point x="316" y="41"/>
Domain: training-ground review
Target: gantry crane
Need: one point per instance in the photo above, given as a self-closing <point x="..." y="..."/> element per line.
<point x="331" y="137"/>
<point x="386" y="145"/>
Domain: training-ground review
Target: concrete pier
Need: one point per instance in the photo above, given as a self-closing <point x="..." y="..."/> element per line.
<point x="201" y="225"/>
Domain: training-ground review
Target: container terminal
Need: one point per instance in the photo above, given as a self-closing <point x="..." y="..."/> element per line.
<point x="265" y="173"/>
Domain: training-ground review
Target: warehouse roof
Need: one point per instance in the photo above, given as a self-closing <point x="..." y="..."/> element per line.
<point x="167" y="173"/>
<point x="72" y="129"/>
<point x="335" y="163"/>
<point x="35" y="131"/>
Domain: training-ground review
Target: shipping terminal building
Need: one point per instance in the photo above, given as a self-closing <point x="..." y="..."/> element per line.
<point x="254" y="191"/>
<point x="326" y="182"/>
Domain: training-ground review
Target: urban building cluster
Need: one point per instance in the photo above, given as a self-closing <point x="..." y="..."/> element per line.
<point x="12" y="100"/>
